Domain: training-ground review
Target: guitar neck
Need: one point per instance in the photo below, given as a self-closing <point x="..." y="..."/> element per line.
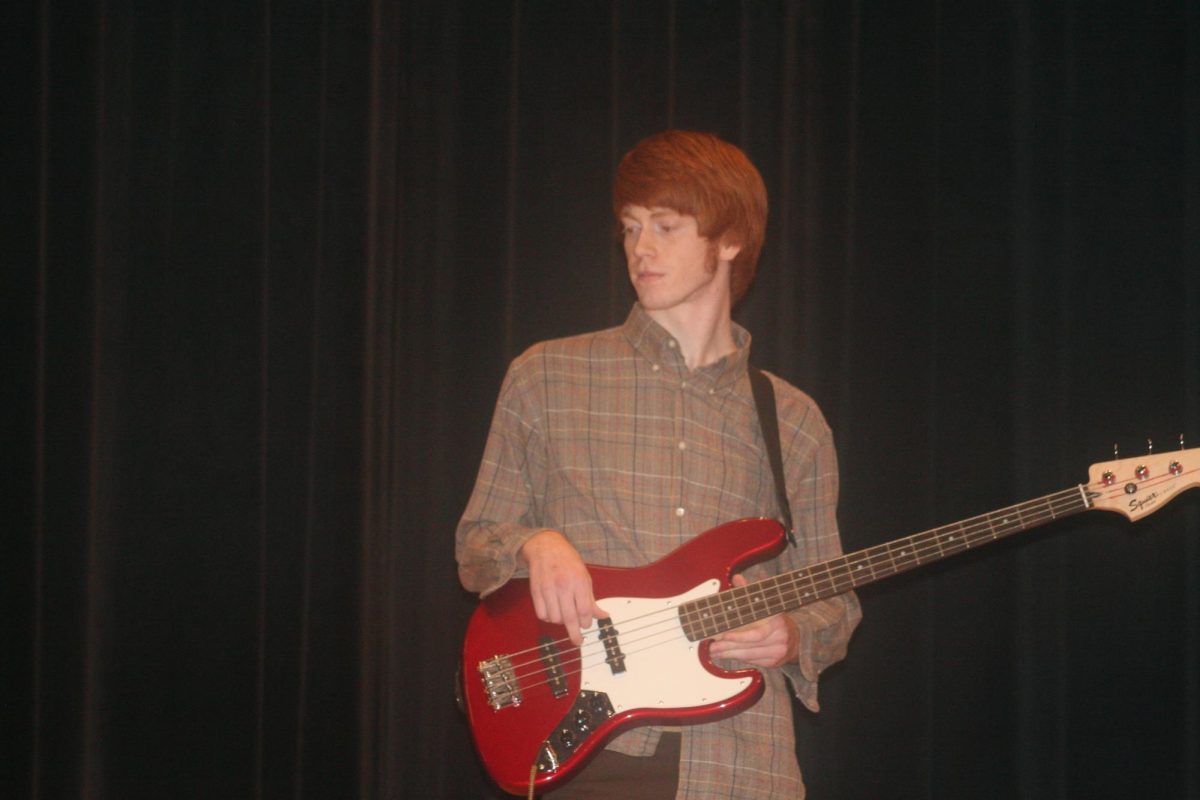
<point x="708" y="616"/>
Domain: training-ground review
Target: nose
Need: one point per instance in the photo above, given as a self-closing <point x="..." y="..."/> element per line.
<point x="642" y="243"/>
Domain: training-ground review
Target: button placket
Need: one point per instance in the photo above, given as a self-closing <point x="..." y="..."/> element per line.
<point x="680" y="509"/>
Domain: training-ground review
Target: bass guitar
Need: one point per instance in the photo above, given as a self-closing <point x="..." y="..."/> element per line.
<point x="539" y="707"/>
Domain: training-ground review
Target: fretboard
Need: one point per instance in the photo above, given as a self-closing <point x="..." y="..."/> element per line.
<point x="708" y="616"/>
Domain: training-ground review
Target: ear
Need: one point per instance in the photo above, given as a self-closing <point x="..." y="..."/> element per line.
<point x="728" y="251"/>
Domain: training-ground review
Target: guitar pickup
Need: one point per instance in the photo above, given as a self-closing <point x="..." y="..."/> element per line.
<point x="612" y="648"/>
<point x="500" y="682"/>
<point x="554" y="672"/>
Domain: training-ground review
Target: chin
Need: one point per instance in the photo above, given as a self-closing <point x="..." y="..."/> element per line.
<point x="655" y="304"/>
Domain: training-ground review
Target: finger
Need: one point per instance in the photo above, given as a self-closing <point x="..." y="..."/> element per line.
<point x="572" y="617"/>
<point x="539" y="606"/>
<point x="733" y="650"/>
<point x="585" y="605"/>
<point x="760" y="654"/>
<point x="751" y="632"/>
<point x="574" y="627"/>
<point x="726" y="648"/>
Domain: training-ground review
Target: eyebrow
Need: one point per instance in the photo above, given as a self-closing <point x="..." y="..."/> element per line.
<point x="656" y="213"/>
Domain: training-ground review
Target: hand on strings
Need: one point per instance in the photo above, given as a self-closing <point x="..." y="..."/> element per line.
<point x="560" y="584"/>
<point x="767" y="643"/>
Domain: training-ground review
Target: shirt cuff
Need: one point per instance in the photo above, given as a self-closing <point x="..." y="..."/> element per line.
<point x="825" y="629"/>
<point x="491" y="555"/>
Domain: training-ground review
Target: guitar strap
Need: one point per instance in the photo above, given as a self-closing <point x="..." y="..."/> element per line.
<point x="768" y="421"/>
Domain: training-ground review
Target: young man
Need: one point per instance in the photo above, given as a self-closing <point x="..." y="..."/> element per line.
<point x="619" y="446"/>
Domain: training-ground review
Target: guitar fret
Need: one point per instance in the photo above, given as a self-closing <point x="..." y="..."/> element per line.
<point x="859" y="565"/>
<point x="734" y="608"/>
<point x="777" y="598"/>
<point x="937" y="541"/>
<point x="810" y="589"/>
<point x="892" y="558"/>
<point x="838" y="572"/>
<point x="956" y="540"/>
<point x="704" y="616"/>
<point x="780" y="602"/>
<point x="905" y="554"/>
<point x="713" y="615"/>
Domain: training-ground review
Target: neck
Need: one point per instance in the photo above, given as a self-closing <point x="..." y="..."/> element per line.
<point x="704" y="331"/>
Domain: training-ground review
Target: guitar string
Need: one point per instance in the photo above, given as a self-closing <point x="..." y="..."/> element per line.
<point x="732" y="601"/>
<point x="836" y="569"/>
<point x="824" y="582"/>
<point x="888" y="549"/>
<point x="1072" y="495"/>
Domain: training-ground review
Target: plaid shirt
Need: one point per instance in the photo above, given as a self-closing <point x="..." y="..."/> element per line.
<point x="610" y="439"/>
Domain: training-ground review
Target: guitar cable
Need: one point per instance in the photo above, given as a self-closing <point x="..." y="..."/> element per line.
<point x="532" y="776"/>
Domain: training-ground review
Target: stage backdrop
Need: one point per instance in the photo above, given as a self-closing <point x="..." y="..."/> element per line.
<point x="266" y="262"/>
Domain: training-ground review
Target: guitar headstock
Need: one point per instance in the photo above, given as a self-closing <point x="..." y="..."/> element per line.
<point x="1139" y="486"/>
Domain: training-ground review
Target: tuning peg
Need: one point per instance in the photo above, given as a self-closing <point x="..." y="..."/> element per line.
<point x="1181" y="447"/>
<point x="1150" y="446"/>
<point x="1116" y="452"/>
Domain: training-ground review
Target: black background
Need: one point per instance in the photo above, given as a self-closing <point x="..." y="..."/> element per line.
<point x="266" y="262"/>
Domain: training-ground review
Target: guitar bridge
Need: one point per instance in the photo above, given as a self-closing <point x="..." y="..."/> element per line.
<point x="500" y="682"/>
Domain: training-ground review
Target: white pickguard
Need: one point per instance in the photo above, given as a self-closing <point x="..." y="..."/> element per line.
<point x="662" y="668"/>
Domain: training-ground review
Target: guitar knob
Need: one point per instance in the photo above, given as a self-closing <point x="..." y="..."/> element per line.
<point x="583" y="721"/>
<point x="567" y="737"/>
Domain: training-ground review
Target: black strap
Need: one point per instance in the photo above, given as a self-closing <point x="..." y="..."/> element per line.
<point x="764" y="401"/>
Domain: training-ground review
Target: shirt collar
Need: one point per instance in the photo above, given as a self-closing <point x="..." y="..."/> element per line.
<point x="655" y="344"/>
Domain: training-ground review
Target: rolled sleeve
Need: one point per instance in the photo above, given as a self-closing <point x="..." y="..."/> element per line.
<point x="826" y="625"/>
<point x="503" y="512"/>
<point x="825" y="630"/>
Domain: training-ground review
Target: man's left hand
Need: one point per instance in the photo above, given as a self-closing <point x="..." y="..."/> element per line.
<point x="767" y="643"/>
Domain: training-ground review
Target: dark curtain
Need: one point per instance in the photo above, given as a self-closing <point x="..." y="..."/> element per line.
<point x="265" y="264"/>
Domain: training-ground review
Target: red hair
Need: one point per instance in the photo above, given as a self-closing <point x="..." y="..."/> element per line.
<point x="705" y="177"/>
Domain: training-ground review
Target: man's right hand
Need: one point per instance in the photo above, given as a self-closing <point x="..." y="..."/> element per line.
<point x="559" y="583"/>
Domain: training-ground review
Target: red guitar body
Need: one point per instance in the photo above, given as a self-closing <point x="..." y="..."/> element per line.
<point x="532" y="698"/>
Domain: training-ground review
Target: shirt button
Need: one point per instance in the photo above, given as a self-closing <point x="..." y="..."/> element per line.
<point x="683" y="445"/>
<point x="671" y="344"/>
<point x="683" y="385"/>
<point x="679" y="512"/>
<point x="654" y="367"/>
